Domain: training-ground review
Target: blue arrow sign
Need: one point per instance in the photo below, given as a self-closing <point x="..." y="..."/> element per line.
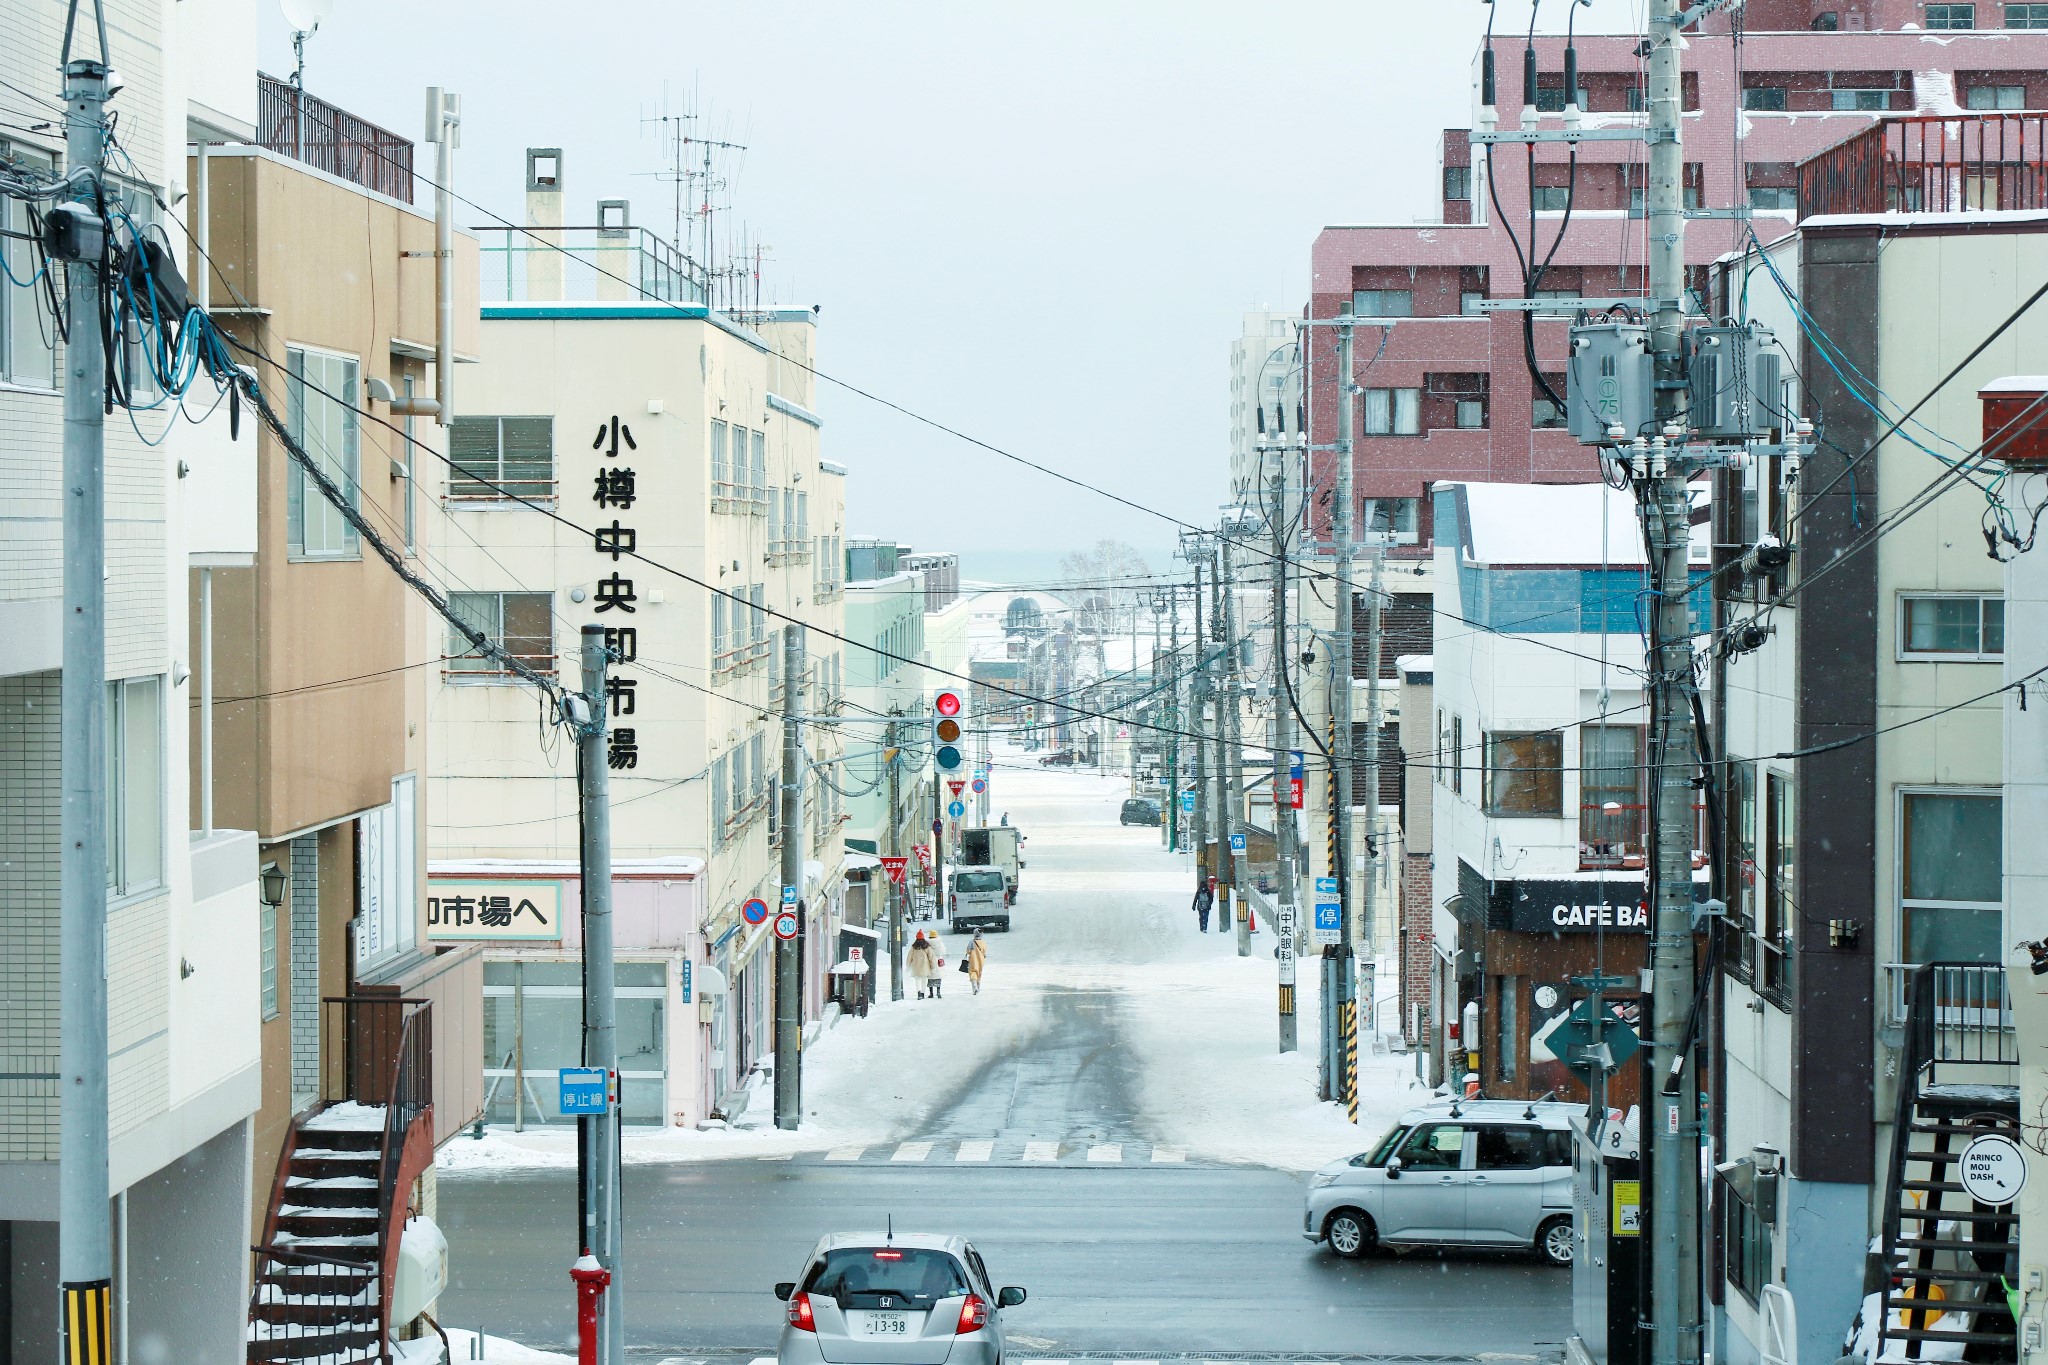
<point x="582" y="1090"/>
<point x="789" y="895"/>
<point x="1187" y="801"/>
<point x="1295" y="759"/>
<point x="955" y="809"/>
<point x="1326" y="886"/>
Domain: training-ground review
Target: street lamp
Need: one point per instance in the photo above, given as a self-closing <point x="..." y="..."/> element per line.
<point x="271" y="885"/>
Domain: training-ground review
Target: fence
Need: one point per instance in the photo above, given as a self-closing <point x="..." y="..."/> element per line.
<point x="1939" y="163"/>
<point x="305" y="128"/>
<point x="584" y="265"/>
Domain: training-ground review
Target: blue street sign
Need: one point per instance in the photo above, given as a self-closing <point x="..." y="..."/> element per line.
<point x="1187" y="801"/>
<point x="1326" y="886"/>
<point x="1294" y="762"/>
<point x="955" y="809"/>
<point x="755" y="911"/>
<point x="686" y="981"/>
<point x="1329" y="922"/>
<point x="789" y="895"/>
<point x="582" y="1090"/>
<point x="1237" y="843"/>
<point x="980" y="786"/>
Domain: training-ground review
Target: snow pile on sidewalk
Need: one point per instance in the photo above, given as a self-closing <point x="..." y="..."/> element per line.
<point x="499" y="1351"/>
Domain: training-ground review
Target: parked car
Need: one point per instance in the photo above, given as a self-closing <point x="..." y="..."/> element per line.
<point x="1062" y="758"/>
<point x="1139" y="810"/>
<point x="893" y="1299"/>
<point x="1461" y="1173"/>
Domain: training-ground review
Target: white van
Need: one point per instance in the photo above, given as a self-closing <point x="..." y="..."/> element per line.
<point x="977" y="898"/>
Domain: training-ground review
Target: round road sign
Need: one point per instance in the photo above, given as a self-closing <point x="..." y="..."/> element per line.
<point x="979" y="786"/>
<point x="754" y="911"/>
<point x="955" y="809"/>
<point x="785" y="925"/>
<point x="1994" y="1169"/>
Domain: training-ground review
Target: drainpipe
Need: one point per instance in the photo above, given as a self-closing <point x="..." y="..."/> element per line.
<point x="444" y="130"/>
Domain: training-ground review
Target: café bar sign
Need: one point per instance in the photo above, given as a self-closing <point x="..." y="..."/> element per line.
<point x="1577" y="907"/>
<point x="511" y="908"/>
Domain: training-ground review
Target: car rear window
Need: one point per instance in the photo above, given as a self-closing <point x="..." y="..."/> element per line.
<point x="978" y="881"/>
<point x="861" y="1277"/>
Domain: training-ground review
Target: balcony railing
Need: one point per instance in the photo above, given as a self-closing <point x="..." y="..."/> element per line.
<point x="298" y="125"/>
<point x="1965" y="1015"/>
<point x="1611" y="836"/>
<point x="1922" y="163"/>
<point x="584" y="265"/>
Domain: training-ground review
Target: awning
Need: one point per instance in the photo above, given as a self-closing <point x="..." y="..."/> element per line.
<point x="862" y="931"/>
<point x="857" y="861"/>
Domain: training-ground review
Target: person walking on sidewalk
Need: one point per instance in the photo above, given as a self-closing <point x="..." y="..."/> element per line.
<point x="922" y="962"/>
<point x="976" y="960"/>
<point x="1205" y="897"/>
<point x="938" y="963"/>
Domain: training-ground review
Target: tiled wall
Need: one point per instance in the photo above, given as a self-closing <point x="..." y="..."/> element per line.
<point x="29" y="845"/>
<point x="138" y="1012"/>
<point x="305" y="969"/>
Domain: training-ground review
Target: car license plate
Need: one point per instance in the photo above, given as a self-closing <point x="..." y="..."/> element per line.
<point x="888" y="1324"/>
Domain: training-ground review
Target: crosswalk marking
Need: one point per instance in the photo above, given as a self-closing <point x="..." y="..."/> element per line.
<point x="845" y="1154"/>
<point x="912" y="1151"/>
<point x="1169" y="1154"/>
<point x="1041" y="1151"/>
<point x="1107" y="1151"/>
<point x="975" y="1151"/>
<point x="780" y="1156"/>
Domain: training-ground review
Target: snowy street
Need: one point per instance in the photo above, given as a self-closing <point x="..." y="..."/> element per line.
<point x="1109" y="1119"/>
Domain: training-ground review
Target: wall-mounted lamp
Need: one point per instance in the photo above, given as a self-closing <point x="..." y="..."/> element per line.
<point x="271" y="883"/>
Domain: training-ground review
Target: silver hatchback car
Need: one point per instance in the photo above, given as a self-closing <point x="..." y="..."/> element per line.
<point x="893" y="1298"/>
<point x="1473" y="1173"/>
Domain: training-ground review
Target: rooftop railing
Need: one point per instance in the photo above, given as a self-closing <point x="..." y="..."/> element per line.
<point x="1932" y="163"/>
<point x="306" y="128"/>
<point x="584" y="265"/>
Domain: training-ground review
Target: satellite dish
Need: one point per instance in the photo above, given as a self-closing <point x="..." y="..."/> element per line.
<point x="305" y="15"/>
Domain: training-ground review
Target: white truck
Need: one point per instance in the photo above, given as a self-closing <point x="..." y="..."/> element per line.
<point x="997" y="846"/>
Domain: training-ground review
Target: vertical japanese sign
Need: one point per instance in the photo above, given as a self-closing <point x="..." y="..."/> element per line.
<point x="617" y="490"/>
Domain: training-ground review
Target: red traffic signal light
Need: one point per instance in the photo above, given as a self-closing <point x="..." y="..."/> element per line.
<point x="947" y="703"/>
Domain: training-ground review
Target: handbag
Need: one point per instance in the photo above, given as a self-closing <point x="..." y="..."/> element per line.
<point x="964" y="966"/>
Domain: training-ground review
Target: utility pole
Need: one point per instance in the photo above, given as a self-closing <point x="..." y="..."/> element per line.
<point x="1172" y="821"/>
<point x="1674" y="1240"/>
<point x="1289" y="915"/>
<point x="1198" y="835"/>
<point x="1340" y="980"/>
<point x="789" y="1012"/>
<point x="599" y="1133"/>
<point x="1369" y="919"/>
<point x="1219" y="758"/>
<point x="1232" y="740"/>
<point x="85" y="1250"/>
<point x="895" y="893"/>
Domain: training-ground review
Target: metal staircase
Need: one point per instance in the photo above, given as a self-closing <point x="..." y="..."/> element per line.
<point x="322" y="1282"/>
<point x="1949" y="1258"/>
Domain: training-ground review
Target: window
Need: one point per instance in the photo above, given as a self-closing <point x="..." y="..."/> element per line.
<point x="1951" y="16"/>
<point x="721" y="798"/>
<point x="1550" y="99"/>
<point x="777" y="500"/>
<point x="1781" y="879"/>
<point x="1471" y="414"/>
<point x="512" y="454"/>
<point x="1512" y="1149"/>
<point x="1778" y="198"/>
<point x="325" y="428"/>
<point x="1858" y="101"/>
<point x="756" y="756"/>
<point x="2026" y="16"/>
<point x="721" y="644"/>
<point x="1456" y="757"/>
<point x="1507" y="1038"/>
<point x="757" y="618"/>
<point x="1748" y="1241"/>
<point x="1469" y="301"/>
<point x="721" y="469"/>
<point x="412" y="479"/>
<point x="1827" y="21"/>
<point x="1444" y="757"/>
<point x="1611" y="805"/>
<point x="135" y="785"/>
<point x="1390" y="303"/>
<point x="1764" y="98"/>
<point x="1995" y="97"/>
<point x="266" y="929"/>
<point x="1458" y="183"/>
<point x="1393" y="412"/>
<point x="760" y="465"/>
<point x="1525" y="774"/>
<point x="520" y="623"/>
<point x="1434" y="1147"/>
<point x="800" y="539"/>
<point x="1949" y="870"/>
<point x="28" y="334"/>
<point x="1394" y="517"/>
<point x="1549" y="198"/>
<point x="538" y="1007"/>
<point x="1545" y="415"/>
<point x="1957" y="626"/>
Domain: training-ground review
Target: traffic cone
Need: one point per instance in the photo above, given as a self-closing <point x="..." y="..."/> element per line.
<point x="1252" y="917"/>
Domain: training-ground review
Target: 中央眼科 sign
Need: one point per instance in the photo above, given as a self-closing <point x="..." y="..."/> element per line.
<point x="514" y="908"/>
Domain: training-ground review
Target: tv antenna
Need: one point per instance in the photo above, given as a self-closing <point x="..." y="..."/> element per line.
<point x="305" y="17"/>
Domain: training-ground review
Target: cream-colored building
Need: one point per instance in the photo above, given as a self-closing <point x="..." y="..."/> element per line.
<point x="670" y="454"/>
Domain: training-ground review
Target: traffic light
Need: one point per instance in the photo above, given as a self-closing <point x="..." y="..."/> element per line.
<point x="947" y="708"/>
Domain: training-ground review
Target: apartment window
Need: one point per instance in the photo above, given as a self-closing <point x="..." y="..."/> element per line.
<point x="800" y="539"/>
<point x="1764" y="98"/>
<point x="757" y="618"/>
<point x="1387" y="303"/>
<point x="28" y="333"/>
<point x="1748" y="1241"/>
<point x="1611" y="806"/>
<point x="721" y="799"/>
<point x="1962" y="627"/>
<point x="320" y="414"/>
<point x="1458" y="183"/>
<point x="266" y="928"/>
<point x="1393" y="412"/>
<point x="1396" y="517"/>
<point x="757" y="750"/>
<point x="1545" y="415"/>
<point x="759" y="442"/>
<point x="1525" y="774"/>
<point x="1780" y="875"/>
<point x="777" y="500"/>
<point x="1951" y="16"/>
<point x="1507" y="1035"/>
<point x="1950" y="852"/>
<point x="2026" y="16"/>
<point x="499" y="457"/>
<point x="519" y="623"/>
<point x="135" y="785"/>
<point x="1549" y="198"/>
<point x="742" y="792"/>
<point x="721" y="468"/>
<point x="1742" y="868"/>
<point x="1469" y="301"/>
<point x="1862" y="101"/>
<point x="1782" y="198"/>
<point x="1456" y="758"/>
<point x="721" y="643"/>
<point x="1444" y="757"/>
<point x="1995" y="97"/>
<point x="1470" y="414"/>
<point x="1550" y="99"/>
<point x="412" y="478"/>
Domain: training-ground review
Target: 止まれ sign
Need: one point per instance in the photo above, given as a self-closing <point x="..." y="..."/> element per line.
<point x="512" y="908"/>
<point x="1576" y="907"/>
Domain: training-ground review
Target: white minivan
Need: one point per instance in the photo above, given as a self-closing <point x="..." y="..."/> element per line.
<point x="1495" y="1173"/>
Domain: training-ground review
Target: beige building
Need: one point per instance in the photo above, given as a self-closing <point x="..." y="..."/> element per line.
<point x="668" y="459"/>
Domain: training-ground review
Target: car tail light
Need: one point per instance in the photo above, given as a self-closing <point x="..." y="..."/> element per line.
<point x="888" y="1255"/>
<point x="973" y="1315"/>
<point x="800" y="1313"/>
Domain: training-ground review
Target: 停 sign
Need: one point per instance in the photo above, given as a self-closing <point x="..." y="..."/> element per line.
<point x="583" y="1090"/>
<point x="1329" y="927"/>
<point x="461" y="911"/>
<point x="1237" y="843"/>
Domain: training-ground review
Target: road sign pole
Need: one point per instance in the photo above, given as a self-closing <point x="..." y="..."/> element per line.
<point x="600" y="1146"/>
<point x="789" y="1018"/>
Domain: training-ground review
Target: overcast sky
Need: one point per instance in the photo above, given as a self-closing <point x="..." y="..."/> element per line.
<point x="1037" y="223"/>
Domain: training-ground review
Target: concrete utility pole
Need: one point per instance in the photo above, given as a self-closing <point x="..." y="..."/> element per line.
<point x="1289" y="914"/>
<point x="1370" y="896"/>
<point x="1219" y="758"/>
<point x="1340" y="980"/>
<point x="599" y="1145"/>
<point x="1232" y="739"/>
<point x="1198" y="834"/>
<point x="1172" y="820"/>
<point x="85" y="1251"/>
<point x="893" y="756"/>
<point x="1674" y="1239"/>
<point x="789" y="986"/>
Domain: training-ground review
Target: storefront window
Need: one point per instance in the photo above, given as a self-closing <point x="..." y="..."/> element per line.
<point x="533" y="1027"/>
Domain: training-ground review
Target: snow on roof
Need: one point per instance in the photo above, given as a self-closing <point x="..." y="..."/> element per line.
<point x="676" y="865"/>
<point x="1416" y="663"/>
<point x="1906" y="219"/>
<point x="1529" y="524"/>
<point x="2017" y="383"/>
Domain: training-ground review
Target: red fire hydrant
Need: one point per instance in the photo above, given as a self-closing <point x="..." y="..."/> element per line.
<point x="591" y="1281"/>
